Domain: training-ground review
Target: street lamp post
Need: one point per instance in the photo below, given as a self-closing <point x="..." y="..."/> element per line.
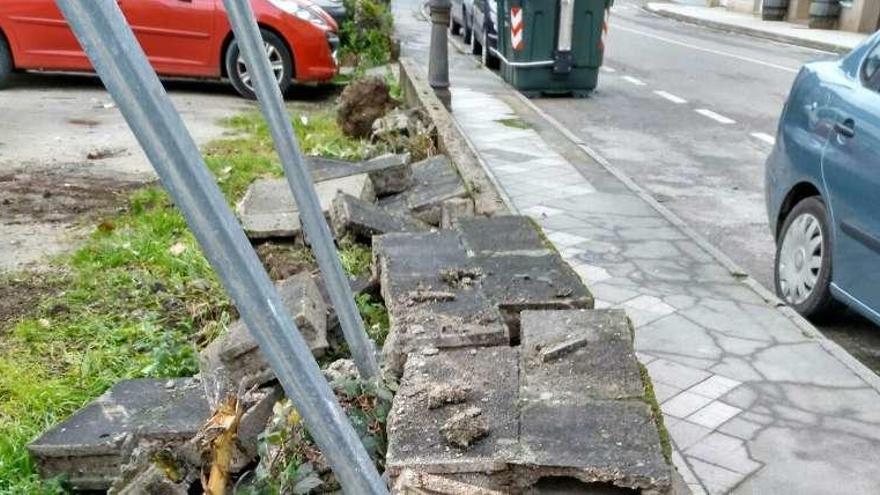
<point x="438" y="61"/>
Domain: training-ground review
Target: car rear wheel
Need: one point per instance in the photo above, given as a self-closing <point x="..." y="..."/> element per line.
<point x="489" y="59"/>
<point x="803" y="259"/>
<point x="279" y="58"/>
<point x="5" y="62"/>
<point x="454" y="26"/>
<point x="476" y="49"/>
<point x="468" y="27"/>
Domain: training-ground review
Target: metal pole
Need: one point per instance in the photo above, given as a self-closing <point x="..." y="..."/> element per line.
<point x="250" y="42"/>
<point x="438" y="60"/>
<point x="104" y="34"/>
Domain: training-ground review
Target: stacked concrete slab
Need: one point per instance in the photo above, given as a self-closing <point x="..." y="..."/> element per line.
<point x="385" y="194"/>
<point x="566" y="410"/>
<point x="467" y="286"/>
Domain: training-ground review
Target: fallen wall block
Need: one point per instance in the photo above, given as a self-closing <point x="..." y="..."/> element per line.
<point x="466" y="287"/>
<point x="435" y="180"/>
<point x="566" y="407"/>
<point x="236" y="358"/>
<point x="93" y="445"/>
<point x="361" y="220"/>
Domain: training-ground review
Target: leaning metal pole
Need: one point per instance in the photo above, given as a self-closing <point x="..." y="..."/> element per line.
<point x="250" y="43"/>
<point x="111" y="46"/>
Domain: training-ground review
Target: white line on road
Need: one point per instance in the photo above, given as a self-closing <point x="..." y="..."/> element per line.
<point x="717" y="117"/>
<point x="707" y="50"/>
<point x="671" y="97"/>
<point x="633" y="80"/>
<point x="767" y="138"/>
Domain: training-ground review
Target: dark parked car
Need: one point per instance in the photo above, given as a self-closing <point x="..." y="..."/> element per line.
<point x="484" y="39"/>
<point x="823" y="186"/>
<point x="460" y="18"/>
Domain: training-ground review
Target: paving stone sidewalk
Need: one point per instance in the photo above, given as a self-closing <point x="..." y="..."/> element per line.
<point x="753" y="402"/>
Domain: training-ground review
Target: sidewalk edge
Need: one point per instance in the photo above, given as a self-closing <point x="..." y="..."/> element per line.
<point x="807" y="328"/>
<point x="454" y="142"/>
<point x="757" y="33"/>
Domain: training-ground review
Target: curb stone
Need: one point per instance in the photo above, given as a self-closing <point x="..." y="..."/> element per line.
<point x="757" y="33"/>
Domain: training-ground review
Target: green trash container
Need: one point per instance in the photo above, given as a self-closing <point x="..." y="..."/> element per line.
<point x="552" y="46"/>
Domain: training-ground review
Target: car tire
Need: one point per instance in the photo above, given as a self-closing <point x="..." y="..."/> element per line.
<point x="6" y="66"/>
<point x="454" y="27"/>
<point x="799" y="282"/>
<point x="279" y="55"/>
<point x="489" y="59"/>
<point x="468" y="32"/>
<point x="476" y="49"/>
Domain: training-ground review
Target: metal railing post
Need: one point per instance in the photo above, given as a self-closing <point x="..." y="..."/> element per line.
<point x="438" y="59"/>
<point x="118" y="59"/>
<point x="250" y="43"/>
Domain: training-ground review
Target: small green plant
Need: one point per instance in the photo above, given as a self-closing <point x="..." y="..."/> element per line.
<point x="375" y="316"/>
<point x="366" y="35"/>
<point x="290" y="462"/>
<point x="356" y="258"/>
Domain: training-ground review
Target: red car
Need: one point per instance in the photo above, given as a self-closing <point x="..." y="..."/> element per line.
<point x="182" y="38"/>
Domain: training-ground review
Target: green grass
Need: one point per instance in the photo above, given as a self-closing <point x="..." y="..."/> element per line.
<point x="136" y="300"/>
<point x="651" y="399"/>
<point x="514" y="123"/>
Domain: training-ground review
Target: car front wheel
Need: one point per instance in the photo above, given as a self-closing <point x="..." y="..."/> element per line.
<point x="803" y="259"/>
<point x="280" y="60"/>
<point x="5" y="62"/>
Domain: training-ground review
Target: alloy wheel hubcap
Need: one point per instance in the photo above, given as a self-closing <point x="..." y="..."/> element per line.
<point x="275" y="61"/>
<point x="800" y="259"/>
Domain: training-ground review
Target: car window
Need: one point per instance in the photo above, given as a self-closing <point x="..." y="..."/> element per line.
<point x="871" y="69"/>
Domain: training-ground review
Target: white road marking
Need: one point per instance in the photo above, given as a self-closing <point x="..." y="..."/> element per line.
<point x="707" y="50"/>
<point x="767" y="138"/>
<point x="717" y="117"/>
<point x="608" y="70"/>
<point x="671" y="97"/>
<point x="633" y="80"/>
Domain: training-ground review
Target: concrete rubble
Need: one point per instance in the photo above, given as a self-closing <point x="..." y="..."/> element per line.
<point x="575" y="372"/>
<point x="151" y="415"/>
<point x="466" y="287"/>
<point x="236" y="354"/>
<point x="435" y="180"/>
<point x="361" y="220"/>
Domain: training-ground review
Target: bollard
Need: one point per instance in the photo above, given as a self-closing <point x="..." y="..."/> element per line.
<point x="438" y="60"/>
<point x="103" y="33"/>
<point x="247" y="33"/>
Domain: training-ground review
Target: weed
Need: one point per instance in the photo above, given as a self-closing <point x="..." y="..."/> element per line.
<point x="514" y="123"/>
<point x="356" y="258"/>
<point x="138" y="299"/>
<point x="375" y="316"/>
<point x="366" y="35"/>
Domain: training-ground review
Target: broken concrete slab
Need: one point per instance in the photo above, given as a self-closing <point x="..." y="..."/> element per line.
<point x="583" y="422"/>
<point x="415" y="437"/>
<point x="426" y="307"/>
<point x="506" y="234"/>
<point x="435" y="180"/>
<point x="389" y="174"/>
<point x="440" y="294"/>
<point x="455" y="209"/>
<point x="577" y="356"/>
<point x="269" y="210"/>
<point x="92" y="446"/>
<point x="236" y="358"/>
<point x="412" y="482"/>
<point x="350" y="216"/>
<point x="603" y="442"/>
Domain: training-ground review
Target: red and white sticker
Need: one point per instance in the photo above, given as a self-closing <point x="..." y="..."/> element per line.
<point x="516" y="28"/>
<point x="605" y="29"/>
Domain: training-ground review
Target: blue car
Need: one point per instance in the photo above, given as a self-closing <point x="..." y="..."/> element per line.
<point x="823" y="186"/>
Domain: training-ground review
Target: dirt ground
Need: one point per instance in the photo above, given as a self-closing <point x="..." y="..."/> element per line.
<point x="66" y="154"/>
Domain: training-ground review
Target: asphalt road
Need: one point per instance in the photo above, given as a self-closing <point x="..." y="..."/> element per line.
<point x="690" y="114"/>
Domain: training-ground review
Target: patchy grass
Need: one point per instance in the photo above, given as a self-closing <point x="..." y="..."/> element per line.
<point x="514" y="123"/>
<point x="356" y="258"/>
<point x="138" y="299"/>
<point x="375" y="316"/>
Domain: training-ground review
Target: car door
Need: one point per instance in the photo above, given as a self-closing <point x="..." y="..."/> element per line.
<point x="178" y="36"/>
<point x="42" y="37"/>
<point x="851" y="170"/>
